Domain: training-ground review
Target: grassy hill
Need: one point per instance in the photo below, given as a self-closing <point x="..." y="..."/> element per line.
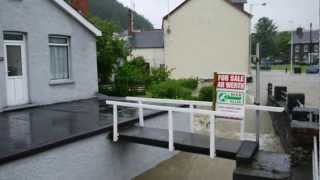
<point x="114" y="11"/>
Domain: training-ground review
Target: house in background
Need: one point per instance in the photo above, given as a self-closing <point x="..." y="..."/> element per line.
<point x="147" y="44"/>
<point x="198" y="38"/>
<point x="206" y="36"/>
<point x="306" y="47"/>
<point x="47" y="53"/>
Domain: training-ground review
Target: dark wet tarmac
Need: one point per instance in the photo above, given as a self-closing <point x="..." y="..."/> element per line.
<point x="25" y="130"/>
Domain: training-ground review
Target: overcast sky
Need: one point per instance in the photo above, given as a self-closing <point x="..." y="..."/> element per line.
<point x="302" y="12"/>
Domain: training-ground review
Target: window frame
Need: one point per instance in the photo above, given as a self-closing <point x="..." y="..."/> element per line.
<point x="68" y="46"/>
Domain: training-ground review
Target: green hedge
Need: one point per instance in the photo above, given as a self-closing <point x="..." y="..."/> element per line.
<point x="206" y="93"/>
<point x="191" y="83"/>
<point x="171" y="89"/>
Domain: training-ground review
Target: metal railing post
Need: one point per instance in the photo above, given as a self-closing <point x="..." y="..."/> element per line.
<point x="191" y="117"/>
<point x="141" y="120"/>
<point x="315" y="149"/>
<point x="212" y="137"/>
<point x="170" y="124"/>
<point x="115" y="123"/>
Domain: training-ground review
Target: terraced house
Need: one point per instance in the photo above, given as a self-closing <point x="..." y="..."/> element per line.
<point x="47" y="53"/>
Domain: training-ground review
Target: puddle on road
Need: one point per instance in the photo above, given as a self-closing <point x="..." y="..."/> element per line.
<point x="192" y="166"/>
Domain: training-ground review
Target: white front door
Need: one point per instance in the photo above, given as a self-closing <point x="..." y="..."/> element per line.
<point x="16" y="73"/>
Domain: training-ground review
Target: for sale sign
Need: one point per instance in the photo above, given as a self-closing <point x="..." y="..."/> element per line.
<point x="230" y="93"/>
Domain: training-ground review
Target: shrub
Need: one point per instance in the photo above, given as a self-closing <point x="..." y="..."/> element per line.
<point x="170" y="89"/>
<point x="158" y="75"/>
<point x="206" y="93"/>
<point x="191" y="83"/>
<point x="131" y="77"/>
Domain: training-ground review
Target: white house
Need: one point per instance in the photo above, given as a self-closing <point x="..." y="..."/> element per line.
<point x="47" y="53"/>
<point x="150" y="45"/>
<point x="206" y="36"/>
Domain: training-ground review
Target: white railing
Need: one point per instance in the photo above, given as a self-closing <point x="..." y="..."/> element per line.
<point x="315" y="160"/>
<point x="170" y="110"/>
<point x="191" y="109"/>
<point x="191" y="105"/>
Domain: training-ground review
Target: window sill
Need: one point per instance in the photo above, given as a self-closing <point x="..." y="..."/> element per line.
<point x="60" y="82"/>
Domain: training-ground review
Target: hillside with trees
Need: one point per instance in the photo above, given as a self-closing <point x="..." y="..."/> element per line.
<point x="112" y="10"/>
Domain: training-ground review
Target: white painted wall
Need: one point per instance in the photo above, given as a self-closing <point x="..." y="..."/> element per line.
<point x="206" y="36"/>
<point x="153" y="56"/>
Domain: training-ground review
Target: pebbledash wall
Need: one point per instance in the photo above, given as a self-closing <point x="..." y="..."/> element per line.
<point x="206" y="36"/>
<point x="38" y="19"/>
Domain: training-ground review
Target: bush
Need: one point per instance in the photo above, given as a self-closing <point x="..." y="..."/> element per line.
<point x="170" y="89"/>
<point x="206" y="93"/>
<point x="158" y="75"/>
<point x="131" y="78"/>
<point x="191" y="83"/>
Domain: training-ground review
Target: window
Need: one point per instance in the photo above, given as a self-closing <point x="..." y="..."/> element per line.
<point x="306" y="48"/>
<point x="316" y="48"/>
<point x="13" y="36"/>
<point x="297" y="48"/>
<point x="59" y="57"/>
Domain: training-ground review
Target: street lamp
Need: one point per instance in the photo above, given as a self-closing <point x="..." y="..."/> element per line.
<point x="291" y="54"/>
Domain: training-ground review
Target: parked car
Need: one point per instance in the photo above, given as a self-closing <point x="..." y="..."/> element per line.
<point x="265" y="64"/>
<point x="313" y="69"/>
<point x="278" y="61"/>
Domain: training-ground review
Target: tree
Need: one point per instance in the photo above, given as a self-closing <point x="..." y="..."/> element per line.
<point x="266" y="31"/>
<point x="110" y="49"/>
<point x="281" y="41"/>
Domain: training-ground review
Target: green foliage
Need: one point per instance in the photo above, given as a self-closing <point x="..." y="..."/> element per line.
<point x="131" y="77"/>
<point x="110" y="49"/>
<point x="266" y="31"/>
<point x="191" y="83"/>
<point x="114" y="11"/>
<point x="206" y="93"/>
<point x="170" y="89"/>
<point x="281" y="41"/>
<point x="160" y="74"/>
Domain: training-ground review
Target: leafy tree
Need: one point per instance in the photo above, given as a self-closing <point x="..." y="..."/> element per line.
<point x="266" y="31"/>
<point x="110" y="49"/>
<point x="281" y="41"/>
<point x="130" y="76"/>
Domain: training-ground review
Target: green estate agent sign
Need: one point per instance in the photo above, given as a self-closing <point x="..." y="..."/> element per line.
<point x="229" y="97"/>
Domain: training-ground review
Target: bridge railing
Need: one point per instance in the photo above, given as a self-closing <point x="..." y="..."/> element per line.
<point x="315" y="160"/>
<point x="170" y="110"/>
<point x="192" y="105"/>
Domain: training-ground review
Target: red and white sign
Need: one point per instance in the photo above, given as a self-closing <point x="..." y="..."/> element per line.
<point x="231" y="93"/>
<point x="231" y="81"/>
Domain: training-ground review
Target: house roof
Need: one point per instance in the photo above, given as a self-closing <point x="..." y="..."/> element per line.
<point x="305" y="37"/>
<point x="238" y="1"/>
<point x="227" y="1"/>
<point x="148" y="39"/>
<point x="82" y="20"/>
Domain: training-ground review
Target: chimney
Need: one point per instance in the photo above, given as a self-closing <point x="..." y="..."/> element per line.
<point x="130" y="22"/>
<point x="81" y="6"/>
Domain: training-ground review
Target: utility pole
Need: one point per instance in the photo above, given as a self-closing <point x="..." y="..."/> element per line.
<point x="257" y="99"/>
<point x="291" y="53"/>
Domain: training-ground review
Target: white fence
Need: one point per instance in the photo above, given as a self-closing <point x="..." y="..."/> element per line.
<point x="191" y="109"/>
<point x="315" y="160"/>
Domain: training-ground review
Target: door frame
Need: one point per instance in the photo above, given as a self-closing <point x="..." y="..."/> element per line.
<point x="22" y="44"/>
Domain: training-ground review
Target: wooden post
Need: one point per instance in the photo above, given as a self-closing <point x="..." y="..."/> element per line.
<point x="215" y="83"/>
